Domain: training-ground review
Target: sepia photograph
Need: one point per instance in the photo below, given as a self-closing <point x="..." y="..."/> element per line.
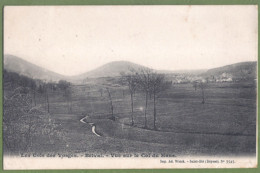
<point x="130" y="87"/>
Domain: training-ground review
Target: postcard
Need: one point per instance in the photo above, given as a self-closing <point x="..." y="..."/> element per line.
<point x="130" y="87"/>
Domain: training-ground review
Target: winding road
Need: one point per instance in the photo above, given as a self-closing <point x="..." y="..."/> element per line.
<point x="93" y="126"/>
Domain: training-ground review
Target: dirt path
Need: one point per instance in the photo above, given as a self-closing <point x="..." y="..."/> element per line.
<point x="93" y="126"/>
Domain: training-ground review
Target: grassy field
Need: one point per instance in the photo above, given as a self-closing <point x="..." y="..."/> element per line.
<point x="225" y="124"/>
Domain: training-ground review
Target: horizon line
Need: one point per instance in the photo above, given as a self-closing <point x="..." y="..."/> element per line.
<point x="173" y="71"/>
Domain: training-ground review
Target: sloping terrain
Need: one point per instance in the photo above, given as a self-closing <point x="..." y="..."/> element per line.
<point x="111" y="69"/>
<point x="23" y="67"/>
<point x="243" y="70"/>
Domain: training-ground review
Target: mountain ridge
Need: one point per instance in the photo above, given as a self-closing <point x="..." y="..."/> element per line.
<point x="15" y="64"/>
<point x="246" y="69"/>
<point x="112" y="69"/>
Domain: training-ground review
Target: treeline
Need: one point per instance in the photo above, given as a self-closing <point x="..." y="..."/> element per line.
<point x="36" y="87"/>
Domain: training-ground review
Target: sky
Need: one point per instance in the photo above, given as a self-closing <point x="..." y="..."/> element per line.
<point x="71" y="40"/>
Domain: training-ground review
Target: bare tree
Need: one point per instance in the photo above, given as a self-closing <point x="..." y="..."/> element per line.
<point x="143" y="80"/>
<point x="101" y="92"/>
<point x="65" y="86"/>
<point x="111" y="104"/>
<point x="202" y="85"/>
<point x="34" y="96"/>
<point x="195" y="85"/>
<point x="18" y="121"/>
<point x="157" y="85"/>
<point x="47" y="87"/>
<point x="47" y="100"/>
<point x="43" y="89"/>
<point x="68" y="96"/>
<point x="32" y="85"/>
<point x="207" y="79"/>
<point x="131" y="81"/>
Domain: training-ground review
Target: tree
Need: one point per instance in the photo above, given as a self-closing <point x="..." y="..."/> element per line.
<point x="131" y="81"/>
<point x="40" y="89"/>
<point x="195" y="85"/>
<point x="68" y="97"/>
<point x="101" y="92"/>
<point x="202" y="85"/>
<point x="48" y="87"/>
<point x="14" y="81"/>
<point x="111" y="104"/>
<point x="17" y="121"/>
<point x="207" y="79"/>
<point x="143" y="82"/>
<point x="22" y="120"/>
<point x="51" y="86"/>
<point x="45" y="90"/>
<point x="33" y="87"/>
<point x="65" y="87"/>
<point x="157" y="85"/>
<point x="11" y="78"/>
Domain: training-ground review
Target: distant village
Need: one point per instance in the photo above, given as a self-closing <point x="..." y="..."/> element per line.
<point x="177" y="78"/>
<point x="184" y="78"/>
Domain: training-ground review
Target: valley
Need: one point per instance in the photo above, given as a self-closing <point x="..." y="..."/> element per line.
<point x="52" y="117"/>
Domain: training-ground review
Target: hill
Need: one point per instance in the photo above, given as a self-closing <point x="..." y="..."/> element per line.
<point x="111" y="69"/>
<point x="22" y="67"/>
<point x="242" y="70"/>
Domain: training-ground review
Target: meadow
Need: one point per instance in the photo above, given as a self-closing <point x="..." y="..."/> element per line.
<point x="224" y="125"/>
